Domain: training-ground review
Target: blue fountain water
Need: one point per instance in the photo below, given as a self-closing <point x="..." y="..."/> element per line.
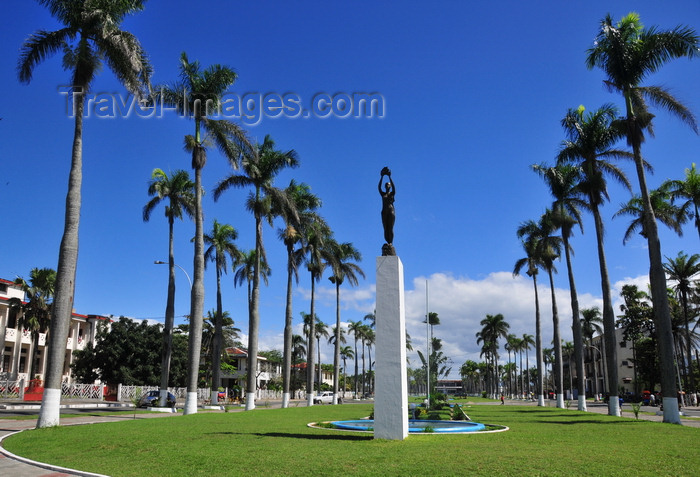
<point x="416" y="425"/>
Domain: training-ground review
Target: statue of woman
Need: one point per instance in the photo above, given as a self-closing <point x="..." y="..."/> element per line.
<point x="388" y="212"/>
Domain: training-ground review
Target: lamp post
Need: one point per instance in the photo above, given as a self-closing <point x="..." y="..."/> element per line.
<point x="595" y="370"/>
<point x="160" y="262"/>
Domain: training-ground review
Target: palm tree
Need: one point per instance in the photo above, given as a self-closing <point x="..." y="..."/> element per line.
<point x="316" y="256"/>
<point x="259" y="171"/>
<point x="304" y="204"/>
<point x="590" y="140"/>
<point x="550" y="251"/>
<point x="562" y="180"/>
<point x="245" y="272"/>
<point x="567" y="349"/>
<point x="511" y="345"/>
<point x="681" y="270"/>
<point x="689" y="190"/>
<point x="370" y="338"/>
<point x="493" y="328"/>
<point x="220" y="242"/>
<point x="528" y="341"/>
<point x="36" y="310"/>
<point x="90" y="35"/>
<point x="529" y="234"/>
<point x="178" y="189"/>
<point x="320" y="331"/>
<point x="664" y="211"/>
<point x="355" y="327"/>
<point x="627" y="53"/>
<point x="343" y="268"/>
<point x="197" y="94"/>
<point x="345" y="354"/>
<point x="298" y="351"/>
<point x="590" y="326"/>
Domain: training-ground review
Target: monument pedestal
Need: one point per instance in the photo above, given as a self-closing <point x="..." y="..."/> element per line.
<point x="391" y="385"/>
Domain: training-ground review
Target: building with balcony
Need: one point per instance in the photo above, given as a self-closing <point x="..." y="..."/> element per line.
<point x="18" y="345"/>
<point x="265" y="371"/>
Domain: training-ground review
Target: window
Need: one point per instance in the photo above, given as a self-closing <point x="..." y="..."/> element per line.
<point x="3" y="288"/>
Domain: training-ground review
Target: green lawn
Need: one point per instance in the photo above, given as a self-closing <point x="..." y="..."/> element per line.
<point x="541" y="441"/>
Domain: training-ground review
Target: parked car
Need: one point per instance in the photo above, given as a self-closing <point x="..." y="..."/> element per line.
<point x="326" y="397"/>
<point x="152" y="399"/>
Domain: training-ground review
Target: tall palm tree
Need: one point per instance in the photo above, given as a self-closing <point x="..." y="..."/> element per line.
<point x="591" y="322"/>
<point x="589" y="144"/>
<point x="529" y="234"/>
<point x="528" y="341"/>
<point x="355" y="327"/>
<point x="345" y="354"/>
<point x="370" y="338"/>
<point x="246" y="271"/>
<point x="562" y="181"/>
<point x="90" y="35"/>
<point x="628" y="52"/>
<point x="511" y="345"/>
<point x="35" y="312"/>
<point x="196" y="96"/>
<point x="316" y="256"/>
<point x="567" y="350"/>
<point x="220" y="242"/>
<point x="688" y="190"/>
<point x="343" y="267"/>
<point x="664" y="210"/>
<point x="178" y="189"/>
<point x="304" y="203"/>
<point x="298" y="351"/>
<point x="681" y="270"/>
<point x="493" y="328"/>
<point x="551" y="250"/>
<point x="320" y="331"/>
<point x="259" y="170"/>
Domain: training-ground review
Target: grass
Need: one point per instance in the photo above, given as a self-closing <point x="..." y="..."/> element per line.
<point x="541" y="441"/>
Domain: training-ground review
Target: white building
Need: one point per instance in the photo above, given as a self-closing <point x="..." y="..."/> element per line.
<point x="18" y="345"/>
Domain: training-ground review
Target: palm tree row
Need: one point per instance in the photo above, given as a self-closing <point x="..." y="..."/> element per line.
<point x="627" y="53"/>
<point x="91" y="35"/>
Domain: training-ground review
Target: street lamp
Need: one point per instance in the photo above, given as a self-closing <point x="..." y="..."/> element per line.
<point x="160" y="262"/>
<point x="595" y="369"/>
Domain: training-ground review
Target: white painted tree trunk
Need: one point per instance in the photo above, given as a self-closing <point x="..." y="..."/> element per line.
<point x="249" y="401"/>
<point x="190" y="403"/>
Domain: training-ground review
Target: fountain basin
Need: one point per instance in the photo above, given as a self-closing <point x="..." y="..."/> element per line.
<point x="416" y="426"/>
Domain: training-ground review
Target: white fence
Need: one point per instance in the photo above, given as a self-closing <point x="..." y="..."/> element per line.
<point x="14" y="389"/>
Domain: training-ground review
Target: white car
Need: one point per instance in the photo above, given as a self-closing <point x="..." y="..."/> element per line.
<point x="326" y="397"/>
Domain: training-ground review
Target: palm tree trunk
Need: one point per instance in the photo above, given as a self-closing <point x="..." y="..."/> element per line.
<point x="167" y="352"/>
<point x="310" y="353"/>
<point x="538" y="347"/>
<point x="65" y="278"/>
<point x="657" y="278"/>
<point x="576" y="327"/>
<point x="197" y="301"/>
<point x="336" y="351"/>
<point x="218" y="341"/>
<point x="254" y="321"/>
<point x="608" y="318"/>
<point x="356" y="367"/>
<point x="558" y="370"/>
<point x="286" y="360"/>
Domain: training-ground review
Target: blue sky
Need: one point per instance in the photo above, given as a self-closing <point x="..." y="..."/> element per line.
<point x="474" y="95"/>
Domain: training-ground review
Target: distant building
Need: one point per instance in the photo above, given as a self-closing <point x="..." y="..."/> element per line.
<point x="17" y="342"/>
<point x="265" y="370"/>
<point x="449" y="386"/>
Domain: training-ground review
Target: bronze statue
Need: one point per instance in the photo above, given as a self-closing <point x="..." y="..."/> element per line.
<point x="388" y="211"/>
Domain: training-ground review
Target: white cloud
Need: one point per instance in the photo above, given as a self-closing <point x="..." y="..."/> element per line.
<point x="461" y="303"/>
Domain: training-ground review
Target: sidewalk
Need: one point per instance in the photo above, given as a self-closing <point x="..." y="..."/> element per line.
<point x="15" y="466"/>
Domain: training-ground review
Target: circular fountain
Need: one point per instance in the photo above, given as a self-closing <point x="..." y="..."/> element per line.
<point x="416" y="426"/>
